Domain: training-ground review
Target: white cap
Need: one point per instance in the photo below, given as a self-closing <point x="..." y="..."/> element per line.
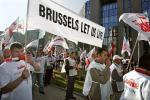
<point x="117" y="57"/>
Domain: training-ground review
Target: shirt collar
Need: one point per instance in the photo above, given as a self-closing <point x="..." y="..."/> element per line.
<point x="143" y="71"/>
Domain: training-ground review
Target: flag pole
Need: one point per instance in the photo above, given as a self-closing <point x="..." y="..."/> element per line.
<point x="83" y="46"/>
<point x="17" y="25"/>
<point x="37" y="45"/>
<point x="138" y="52"/>
<point x="132" y="52"/>
<point x="27" y="15"/>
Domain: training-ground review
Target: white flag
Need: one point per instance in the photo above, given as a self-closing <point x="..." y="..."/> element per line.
<point x="126" y="46"/>
<point x="138" y="21"/>
<point x="143" y="37"/>
<point x="91" y="52"/>
<point x="33" y="44"/>
<point x="9" y="43"/>
<point x="83" y="55"/>
<point x="82" y="11"/>
<point x="46" y="46"/>
<point x="9" y="31"/>
<point x="21" y="26"/>
<point x="58" y="41"/>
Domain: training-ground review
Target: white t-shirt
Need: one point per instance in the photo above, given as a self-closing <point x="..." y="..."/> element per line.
<point x="137" y="86"/>
<point x="10" y="71"/>
<point x="72" y="62"/>
<point x="50" y="61"/>
<point x="41" y="61"/>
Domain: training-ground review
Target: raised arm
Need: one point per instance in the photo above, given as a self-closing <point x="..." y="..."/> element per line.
<point x="35" y="65"/>
<point x="12" y="85"/>
<point x="100" y="76"/>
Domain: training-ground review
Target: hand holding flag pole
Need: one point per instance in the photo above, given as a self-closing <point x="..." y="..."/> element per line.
<point x="132" y="54"/>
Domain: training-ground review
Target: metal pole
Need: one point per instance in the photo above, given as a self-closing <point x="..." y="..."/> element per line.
<point x="83" y="47"/>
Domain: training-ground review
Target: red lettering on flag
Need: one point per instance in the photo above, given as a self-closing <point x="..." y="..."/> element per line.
<point x="142" y="23"/>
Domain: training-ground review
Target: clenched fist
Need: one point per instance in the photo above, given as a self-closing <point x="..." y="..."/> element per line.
<point x="108" y="62"/>
<point x="25" y="73"/>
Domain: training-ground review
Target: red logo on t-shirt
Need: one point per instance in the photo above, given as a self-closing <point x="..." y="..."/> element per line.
<point x="132" y="83"/>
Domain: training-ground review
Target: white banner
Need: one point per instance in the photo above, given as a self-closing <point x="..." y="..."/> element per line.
<point x="53" y="18"/>
<point x="138" y="21"/>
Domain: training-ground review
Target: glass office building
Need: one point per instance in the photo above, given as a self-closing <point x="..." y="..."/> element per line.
<point x="146" y="7"/>
<point x="109" y="20"/>
<point x="87" y="9"/>
<point x="108" y="15"/>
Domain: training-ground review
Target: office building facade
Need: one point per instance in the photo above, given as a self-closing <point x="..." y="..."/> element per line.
<point x="107" y="12"/>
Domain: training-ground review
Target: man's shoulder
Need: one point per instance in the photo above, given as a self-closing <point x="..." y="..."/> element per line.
<point x="6" y="63"/>
<point x="136" y="75"/>
<point x="4" y="66"/>
<point x="131" y="73"/>
<point x="12" y="63"/>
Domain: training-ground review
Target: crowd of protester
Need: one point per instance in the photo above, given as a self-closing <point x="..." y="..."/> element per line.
<point x="106" y="78"/>
<point x="121" y="79"/>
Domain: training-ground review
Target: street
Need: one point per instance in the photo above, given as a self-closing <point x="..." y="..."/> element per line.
<point x="52" y="92"/>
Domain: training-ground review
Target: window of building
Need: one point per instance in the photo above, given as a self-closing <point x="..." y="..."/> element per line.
<point x="87" y="9"/>
<point x="110" y="20"/>
<point x="127" y="7"/>
<point x="109" y="15"/>
<point x="146" y="7"/>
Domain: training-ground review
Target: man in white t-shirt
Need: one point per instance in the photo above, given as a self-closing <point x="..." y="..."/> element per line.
<point x="15" y="78"/>
<point x="137" y="82"/>
<point x="38" y="75"/>
<point x="71" y="72"/>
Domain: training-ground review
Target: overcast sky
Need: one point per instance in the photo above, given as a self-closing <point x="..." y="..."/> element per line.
<point x="11" y="9"/>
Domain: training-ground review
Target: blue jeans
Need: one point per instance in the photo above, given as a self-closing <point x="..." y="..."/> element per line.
<point x="39" y="78"/>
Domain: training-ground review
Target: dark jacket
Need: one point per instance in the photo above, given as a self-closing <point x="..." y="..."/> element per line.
<point x="67" y="66"/>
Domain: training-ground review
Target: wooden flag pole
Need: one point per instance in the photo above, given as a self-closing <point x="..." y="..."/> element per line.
<point x="132" y="53"/>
